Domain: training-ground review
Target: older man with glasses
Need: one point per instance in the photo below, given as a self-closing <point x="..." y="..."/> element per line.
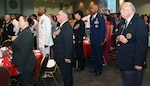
<point x="63" y="47"/>
<point x="132" y="39"/>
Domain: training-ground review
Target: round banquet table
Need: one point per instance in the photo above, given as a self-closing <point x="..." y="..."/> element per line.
<point x="6" y="62"/>
<point x="86" y="47"/>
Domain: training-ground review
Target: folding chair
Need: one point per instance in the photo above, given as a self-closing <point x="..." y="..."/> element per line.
<point x="41" y="71"/>
<point x="53" y="71"/>
<point x="4" y="76"/>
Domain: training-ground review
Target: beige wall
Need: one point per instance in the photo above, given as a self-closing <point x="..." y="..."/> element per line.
<point x="85" y="4"/>
<point x="52" y="8"/>
<point x="28" y="6"/>
<point x="142" y="6"/>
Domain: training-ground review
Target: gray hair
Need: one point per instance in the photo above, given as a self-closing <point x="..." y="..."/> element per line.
<point x="132" y="7"/>
<point x="65" y="13"/>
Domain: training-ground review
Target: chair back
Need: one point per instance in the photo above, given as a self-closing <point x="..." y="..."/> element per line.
<point x="1" y="37"/>
<point x="6" y="43"/>
<point x="42" y="68"/>
<point x="4" y="76"/>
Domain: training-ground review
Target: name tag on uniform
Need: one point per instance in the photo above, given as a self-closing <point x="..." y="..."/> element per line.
<point x="96" y="23"/>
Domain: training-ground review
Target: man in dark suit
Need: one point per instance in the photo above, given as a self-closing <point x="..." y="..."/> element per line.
<point x="23" y="56"/>
<point x="63" y="47"/>
<point x="97" y="35"/>
<point x="132" y="39"/>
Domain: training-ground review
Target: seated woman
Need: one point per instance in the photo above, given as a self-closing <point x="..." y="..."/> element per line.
<point x="23" y="56"/>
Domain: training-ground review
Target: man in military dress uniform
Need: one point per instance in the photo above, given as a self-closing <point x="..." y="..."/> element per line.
<point x="97" y="35"/>
<point x="7" y="29"/>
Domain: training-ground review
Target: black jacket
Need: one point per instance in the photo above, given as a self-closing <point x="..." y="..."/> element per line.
<point x="23" y="55"/>
<point x="134" y="51"/>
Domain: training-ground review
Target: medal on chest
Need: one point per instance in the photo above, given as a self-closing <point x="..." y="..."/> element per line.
<point x="128" y="35"/>
<point x="96" y="23"/>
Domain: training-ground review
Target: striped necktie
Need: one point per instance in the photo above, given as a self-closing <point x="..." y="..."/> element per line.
<point x="126" y="23"/>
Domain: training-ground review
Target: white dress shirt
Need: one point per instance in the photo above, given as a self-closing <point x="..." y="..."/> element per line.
<point x="87" y="18"/>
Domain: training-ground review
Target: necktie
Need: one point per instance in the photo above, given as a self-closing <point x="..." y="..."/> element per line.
<point x="125" y="26"/>
<point x="58" y="28"/>
<point x="126" y="23"/>
<point x="92" y="18"/>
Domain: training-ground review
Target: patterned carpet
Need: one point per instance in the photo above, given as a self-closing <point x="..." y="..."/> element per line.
<point x="109" y="77"/>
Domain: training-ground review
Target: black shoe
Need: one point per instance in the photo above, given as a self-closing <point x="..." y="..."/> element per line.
<point x="92" y="71"/>
<point x="79" y="69"/>
<point x="98" y="73"/>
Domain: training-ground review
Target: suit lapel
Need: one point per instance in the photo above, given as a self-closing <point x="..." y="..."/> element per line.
<point x="130" y="24"/>
<point x="61" y="27"/>
<point x="93" y="19"/>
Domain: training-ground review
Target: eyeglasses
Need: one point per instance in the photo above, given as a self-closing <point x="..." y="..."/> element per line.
<point x="61" y="14"/>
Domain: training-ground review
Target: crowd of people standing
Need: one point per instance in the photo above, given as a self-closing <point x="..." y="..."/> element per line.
<point x="54" y="35"/>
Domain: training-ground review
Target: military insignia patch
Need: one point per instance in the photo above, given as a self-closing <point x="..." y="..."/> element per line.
<point x="128" y="35"/>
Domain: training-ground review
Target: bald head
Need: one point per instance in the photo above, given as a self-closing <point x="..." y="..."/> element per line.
<point x="129" y="5"/>
<point x="127" y="10"/>
<point x="94" y="9"/>
<point x="41" y="10"/>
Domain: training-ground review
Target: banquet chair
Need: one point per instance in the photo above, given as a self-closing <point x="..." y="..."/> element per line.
<point x="0" y="37"/>
<point x="4" y="76"/>
<point x="41" y="71"/>
<point x="6" y="43"/>
<point x="53" y="71"/>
